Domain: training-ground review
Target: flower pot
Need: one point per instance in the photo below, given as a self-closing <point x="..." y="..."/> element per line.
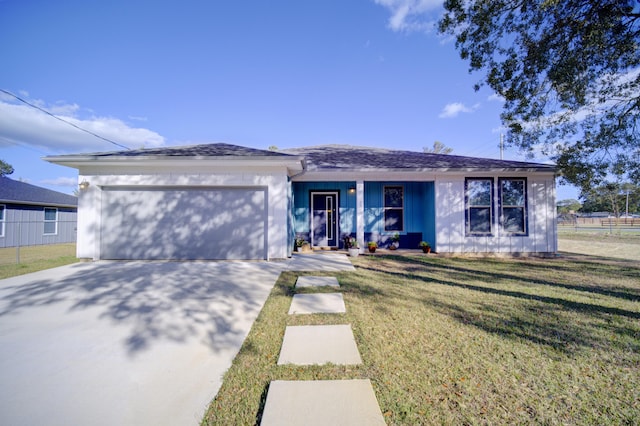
<point x="354" y="252"/>
<point x="372" y="249"/>
<point x="426" y="249"/>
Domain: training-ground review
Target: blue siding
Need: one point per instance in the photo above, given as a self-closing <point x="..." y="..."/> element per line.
<point x="419" y="210"/>
<point x="302" y="202"/>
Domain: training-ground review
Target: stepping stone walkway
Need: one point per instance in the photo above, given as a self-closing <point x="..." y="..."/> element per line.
<point x="323" y="303"/>
<point x="320" y="402"/>
<point x="308" y="281"/>
<point x="319" y="344"/>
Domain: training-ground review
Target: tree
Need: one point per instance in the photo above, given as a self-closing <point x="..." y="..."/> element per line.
<point x="568" y="206"/>
<point x="612" y="198"/>
<point x="438" y="148"/>
<point x="5" y="168"/>
<point x="569" y="73"/>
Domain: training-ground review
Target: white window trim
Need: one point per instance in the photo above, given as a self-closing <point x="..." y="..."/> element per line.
<point x="468" y="207"/>
<point x="524" y="207"/>
<point x="385" y="208"/>
<point x="45" y="221"/>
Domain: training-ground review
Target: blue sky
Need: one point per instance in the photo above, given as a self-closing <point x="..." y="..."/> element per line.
<point x="252" y="73"/>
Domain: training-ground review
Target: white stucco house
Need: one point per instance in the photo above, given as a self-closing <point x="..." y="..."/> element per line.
<point x="221" y="201"/>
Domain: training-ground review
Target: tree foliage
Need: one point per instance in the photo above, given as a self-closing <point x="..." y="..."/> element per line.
<point x="5" y="168"/>
<point x="613" y="198"/>
<point x="569" y="73"/>
<point x="438" y="148"/>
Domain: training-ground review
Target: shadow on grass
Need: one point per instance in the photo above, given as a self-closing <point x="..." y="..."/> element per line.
<point x="532" y="314"/>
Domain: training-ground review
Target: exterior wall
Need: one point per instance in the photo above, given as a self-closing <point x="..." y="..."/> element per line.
<point x="541" y="213"/>
<point x="90" y="200"/>
<point x="24" y="226"/>
<point x="419" y="213"/>
<point x="419" y="210"/>
<point x="302" y="205"/>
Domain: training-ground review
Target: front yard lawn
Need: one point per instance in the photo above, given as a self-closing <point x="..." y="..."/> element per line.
<point x="466" y="341"/>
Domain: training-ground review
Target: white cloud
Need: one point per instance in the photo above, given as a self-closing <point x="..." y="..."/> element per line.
<point x="410" y="15"/>
<point x="495" y="97"/>
<point x="23" y="125"/>
<point x="61" y="181"/>
<point x="456" y="108"/>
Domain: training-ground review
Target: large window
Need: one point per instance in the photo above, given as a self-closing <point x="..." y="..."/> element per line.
<point x="50" y="221"/>
<point x="478" y="206"/>
<point x="513" y="205"/>
<point x="394" y="208"/>
<point x="2" y="220"/>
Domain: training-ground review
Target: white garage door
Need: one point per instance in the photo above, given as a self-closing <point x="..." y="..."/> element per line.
<point x="183" y="223"/>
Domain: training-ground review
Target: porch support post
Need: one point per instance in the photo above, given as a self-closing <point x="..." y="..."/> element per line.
<point x="360" y="214"/>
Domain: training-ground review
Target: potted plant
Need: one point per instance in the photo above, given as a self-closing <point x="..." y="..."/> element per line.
<point x="426" y="247"/>
<point x="352" y="246"/>
<point x="372" y="246"/>
<point x="302" y="245"/>
<point x="395" y="241"/>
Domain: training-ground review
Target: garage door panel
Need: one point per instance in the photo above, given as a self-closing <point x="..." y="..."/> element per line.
<point x="184" y="224"/>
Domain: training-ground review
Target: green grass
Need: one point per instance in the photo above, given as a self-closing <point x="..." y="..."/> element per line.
<point x="35" y="258"/>
<point x="466" y="341"/>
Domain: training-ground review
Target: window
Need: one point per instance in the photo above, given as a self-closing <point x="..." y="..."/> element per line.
<point x="2" y="219"/>
<point x="478" y="206"/>
<point x="50" y="221"/>
<point x="513" y="205"/>
<point x="394" y="208"/>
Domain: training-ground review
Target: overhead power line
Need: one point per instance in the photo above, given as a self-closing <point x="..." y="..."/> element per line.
<point x="63" y="120"/>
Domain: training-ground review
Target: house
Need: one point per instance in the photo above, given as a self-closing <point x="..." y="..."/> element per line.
<point x="220" y="201"/>
<point x="31" y="215"/>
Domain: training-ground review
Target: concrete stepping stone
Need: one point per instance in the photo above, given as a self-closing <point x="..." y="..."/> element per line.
<point x="321" y="402"/>
<point x="319" y="344"/>
<point x="308" y="281"/>
<point x="319" y="303"/>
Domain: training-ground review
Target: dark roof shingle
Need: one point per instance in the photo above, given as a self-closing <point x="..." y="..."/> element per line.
<point x="13" y="191"/>
<point x="347" y="157"/>
<point x="205" y="150"/>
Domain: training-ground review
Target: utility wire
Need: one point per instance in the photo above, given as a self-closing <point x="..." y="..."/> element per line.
<point x="64" y="121"/>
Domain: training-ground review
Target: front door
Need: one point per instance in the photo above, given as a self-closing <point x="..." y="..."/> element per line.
<point x="324" y="219"/>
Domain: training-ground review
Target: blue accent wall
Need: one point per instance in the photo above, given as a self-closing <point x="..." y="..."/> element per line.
<point x="419" y="210"/>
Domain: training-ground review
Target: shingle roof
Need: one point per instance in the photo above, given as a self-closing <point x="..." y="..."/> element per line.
<point x="205" y="150"/>
<point x="350" y="158"/>
<point x="13" y="191"/>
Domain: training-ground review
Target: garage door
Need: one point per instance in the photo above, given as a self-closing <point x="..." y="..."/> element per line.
<point x="183" y="223"/>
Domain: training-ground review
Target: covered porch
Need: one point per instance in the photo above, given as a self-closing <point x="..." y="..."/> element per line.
<point x="324" y="213"/>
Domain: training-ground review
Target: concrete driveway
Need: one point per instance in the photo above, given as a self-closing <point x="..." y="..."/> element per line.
<point x="124" y="343"/>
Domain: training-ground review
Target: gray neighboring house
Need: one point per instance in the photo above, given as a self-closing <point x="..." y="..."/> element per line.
<point x="31" y="215"/>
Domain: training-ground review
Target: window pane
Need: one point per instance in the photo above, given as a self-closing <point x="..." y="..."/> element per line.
<point x="479" y="192"/>
<point x="49" y="227"/>
<point x="393" y="196"/>
<point x="513" y="219"/>
<point x="513" y="192"/>
<point x="1" y="212"/>
<point x="393" y="220"/>
<point x="50" y="214"/>
<point x="480" y="219"/>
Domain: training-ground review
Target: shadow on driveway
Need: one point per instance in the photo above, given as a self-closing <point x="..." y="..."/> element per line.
<point x="124" y="342"/>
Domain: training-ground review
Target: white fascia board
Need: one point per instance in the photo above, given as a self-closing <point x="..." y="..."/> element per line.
<point x="294" y="165"/>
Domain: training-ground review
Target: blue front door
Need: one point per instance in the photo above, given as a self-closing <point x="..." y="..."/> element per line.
<point x="324" y="219"/>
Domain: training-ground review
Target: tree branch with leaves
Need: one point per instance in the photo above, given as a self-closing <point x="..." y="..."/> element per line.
<point x="569" y="73"/>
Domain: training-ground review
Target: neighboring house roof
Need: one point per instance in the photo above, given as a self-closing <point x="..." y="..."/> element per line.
<point x="358" y="158"/>
<point x="16" y="192"/>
